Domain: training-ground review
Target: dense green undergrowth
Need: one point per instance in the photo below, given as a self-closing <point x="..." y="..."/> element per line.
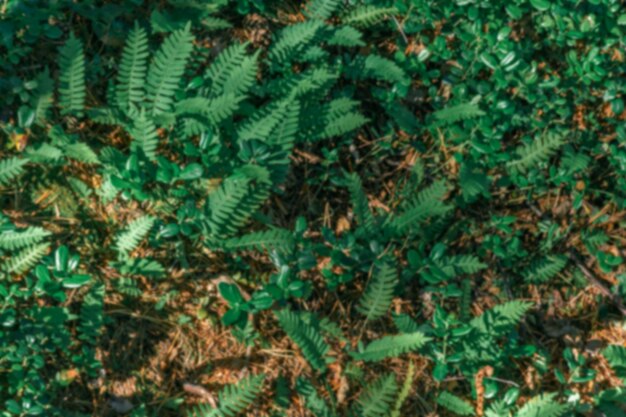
<point x="419" y="202"/>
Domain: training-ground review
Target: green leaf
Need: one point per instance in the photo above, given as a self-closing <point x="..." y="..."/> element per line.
<point x="455" y="404"/>
<point x="391" y="346"/>
<point x="11" y="168"/>
<point x="76" y="281"/>
<point x="541" y="5"/>
<point x="72" y="78"/>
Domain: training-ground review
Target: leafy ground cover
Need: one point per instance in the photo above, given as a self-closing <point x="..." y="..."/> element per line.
<point x="334" y="208"/>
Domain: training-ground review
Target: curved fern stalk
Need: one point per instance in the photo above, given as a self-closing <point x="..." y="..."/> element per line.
<point x="131" y="78"/>
<point x="134" y="233"/>
<point x="360" y="204"/>
<point x="145" y="136"/>
<point x="455" y="404"/>
<point x="167" y="68"/>
<point x="11" y="168"/>
<point x="233" y="71"/>
<point x="404" y="391"/>
<point x="377" y="397"/>
<point x="72" y="78"/>
<point x="279" y="239"/>
<point x="233" y="399"/>
<point x="26" y="259"/>
<point x="17" y="239"/>
<point x="391" y="346"/>
<point x="308" y="338"/>
<point x="367" y="15"/>
<point x="321" y="9"/>
<point x="539" y="150"/>
<point x="377" y="297"/>
<point x="543" y="405"/>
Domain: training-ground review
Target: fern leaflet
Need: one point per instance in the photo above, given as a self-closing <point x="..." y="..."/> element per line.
<point x="72" y="78"/>
<point x="455" y="404"/>
<point x="379" y="292"/>
<point x="233" y="399"/>
<point x="167" y="68"/>
<point x="11" y="168"/>
<point x="391" y="346"/>
<point x="17" y="239"/>
<point x="134" y="233"/>
<point x="131" y="78"/>
<point x="307" y="337"/>
<point x="377" y="397"/>
<point x="26" y="258"/>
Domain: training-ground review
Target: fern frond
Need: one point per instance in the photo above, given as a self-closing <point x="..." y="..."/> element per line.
<point x="616" y="356"/>
<point x="279" y="239"/>
<point x="501" y="318"/>
<point x="457" y="113"/>
<point x="539" y="150"/>
<point x="404" y="323"/>
<point x="391" y="347"/>
<point x="233" y="71"/>
<point x="26" y="258"/>
<point x="543" y="405"/>
<point x="312" y="400"/>
<point x="233" y="399"/>
<point x="167" y="69"/>
<point x="131" y="77"/>
<point x="293" y="39"/>
<point x="133" y="234"/>
<point x="213" y="110"/>
<point x="341" y="118"/>
<point x="307" y="337"/>
<point x="11" y="168"/>
<point x="377" y="397"/>
<point x="368" y="15"/>
<point x="321" y="9"/>
<point x="264" y="122"/>
<point x="377" y="297"/>
<point x="465" y="264"/>
<point x="404" y="391"/>
<point x="145" y="136"/>
<point x="19" y="238"/>
<point x="455" y="404"/>
<point x="81" y="152"/>
<point x="72" y="77"/>
<point x="427" y="204"/>
<point x="544" y="269"/>
<point x="232" y="204"/>
<point x="91" y="315"/>
<point x="360" y="204"/>
<point x="380" y="68"/>
<point x="43" y="97"/>
<point x="346" y="36"/>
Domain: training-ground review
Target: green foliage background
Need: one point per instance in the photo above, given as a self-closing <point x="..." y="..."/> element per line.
<point x="422" y="200"/>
